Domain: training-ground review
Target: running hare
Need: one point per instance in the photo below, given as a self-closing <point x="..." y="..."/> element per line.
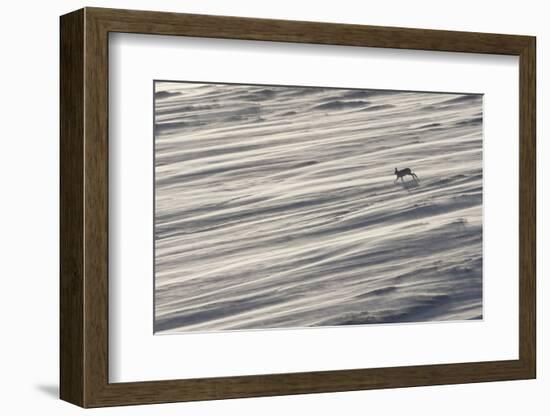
<point x="403" y="172"/>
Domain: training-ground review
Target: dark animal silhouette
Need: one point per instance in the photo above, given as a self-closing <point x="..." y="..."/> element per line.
<point x="403" y="172"/>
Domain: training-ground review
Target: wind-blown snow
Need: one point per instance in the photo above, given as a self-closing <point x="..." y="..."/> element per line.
<point x="276" y="207"/>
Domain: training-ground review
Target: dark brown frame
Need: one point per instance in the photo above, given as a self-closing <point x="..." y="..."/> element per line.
<point x="84" y="208"/>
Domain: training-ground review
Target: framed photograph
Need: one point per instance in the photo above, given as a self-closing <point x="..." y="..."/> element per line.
<point x="255" y="207"/>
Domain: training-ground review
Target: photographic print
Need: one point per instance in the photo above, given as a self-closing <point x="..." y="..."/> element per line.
<point x="296" y="207"/>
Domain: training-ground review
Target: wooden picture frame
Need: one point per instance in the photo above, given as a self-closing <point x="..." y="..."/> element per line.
<point x="84" y="207"/>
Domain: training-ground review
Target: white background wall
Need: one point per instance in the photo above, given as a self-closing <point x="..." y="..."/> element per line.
<point x="29" y="206"/>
